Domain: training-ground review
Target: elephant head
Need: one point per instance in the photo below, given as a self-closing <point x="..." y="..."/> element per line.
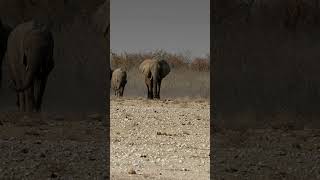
<point x="30" y="60"/>
<point x="119" y="81"/>
<point x="154" y="71"/>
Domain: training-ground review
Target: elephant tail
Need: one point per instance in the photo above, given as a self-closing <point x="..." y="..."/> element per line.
<point x="28" y="81"/>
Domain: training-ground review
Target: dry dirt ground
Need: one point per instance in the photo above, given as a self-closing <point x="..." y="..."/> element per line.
<point x="266" y="154"/>
<point x="52" y="147"/>
<point x="159" y="139"/>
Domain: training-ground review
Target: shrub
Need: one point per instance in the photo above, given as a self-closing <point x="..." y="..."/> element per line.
<point x="200" y="64"/>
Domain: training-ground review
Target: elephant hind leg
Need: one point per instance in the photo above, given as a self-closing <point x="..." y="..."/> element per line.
<point x="117" y="92"/>
<point x="21" y="101"/>
<point x="155" y="88"/>
<point x="158" y="89"/>
<point x="17" y="100"/>
<point x="149" y="87"/>
<point x="39" y="92"/>
<point x="121" y="91"/>
<point x="29" y="99"/>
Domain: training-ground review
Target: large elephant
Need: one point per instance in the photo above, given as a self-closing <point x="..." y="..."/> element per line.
<point x="154" y="71"/>
<point x="4" y="34"/>
<point x="119" y="81"/>
<point x="30" y="60"/>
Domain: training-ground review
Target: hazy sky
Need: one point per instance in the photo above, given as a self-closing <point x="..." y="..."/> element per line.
<point x="172" y="25"/>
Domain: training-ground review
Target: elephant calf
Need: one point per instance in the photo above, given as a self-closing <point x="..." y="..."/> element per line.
<point x="118" y="81"/>
<point x="154" y="71"/>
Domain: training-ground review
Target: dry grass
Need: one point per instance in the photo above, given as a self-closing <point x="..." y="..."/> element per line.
<point x="179" y="83"/>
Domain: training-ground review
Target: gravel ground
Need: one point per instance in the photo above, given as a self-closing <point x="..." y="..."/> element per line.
<point x="266" y="154"/>
<point x="159" y="139"/>
<point x="52" y="147"/>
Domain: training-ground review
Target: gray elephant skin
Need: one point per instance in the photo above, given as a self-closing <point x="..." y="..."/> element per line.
<point x="119" y="81"/>
<point x="4" y="34"/>
<point x="30" y="59"/>
<point x="154" y="71"/>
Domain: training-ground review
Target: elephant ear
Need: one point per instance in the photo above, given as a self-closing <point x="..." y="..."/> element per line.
<point x="165" y="68"/>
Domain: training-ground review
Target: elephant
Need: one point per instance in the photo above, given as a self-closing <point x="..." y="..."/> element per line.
<point x="30" y="61"/>
<point x="154" y="71"/>
<point x="119" y="81"/>
<point x="4" y="34"/>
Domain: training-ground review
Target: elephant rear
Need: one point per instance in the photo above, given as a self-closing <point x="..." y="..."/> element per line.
<point x="29" y="51"/>
<point x="154" y="71"/>
<point x="144" y="67"/>
<point x="30" y="59"/>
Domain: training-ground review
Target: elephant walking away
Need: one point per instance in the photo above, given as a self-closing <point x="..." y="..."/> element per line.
<point x="119" y="81"/>
<point x="154" y="71"/>
<point x="30" y="60"/>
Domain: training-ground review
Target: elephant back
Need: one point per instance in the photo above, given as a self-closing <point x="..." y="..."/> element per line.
<point x="30" y="29"/>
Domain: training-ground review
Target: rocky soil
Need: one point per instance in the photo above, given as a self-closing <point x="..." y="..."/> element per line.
<point x="266" y="154"/>
<point x="52" y="147"/>
<point x="150" y="139"/>
<point x="159" y="139"/>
